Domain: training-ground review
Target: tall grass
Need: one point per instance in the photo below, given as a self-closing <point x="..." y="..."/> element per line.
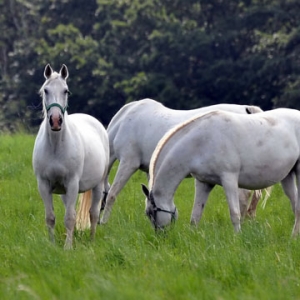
<point x="128" y="260"/>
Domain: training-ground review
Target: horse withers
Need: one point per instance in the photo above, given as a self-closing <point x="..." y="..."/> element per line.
<point x="232" y="150"/>
<point x="70" y="155"/>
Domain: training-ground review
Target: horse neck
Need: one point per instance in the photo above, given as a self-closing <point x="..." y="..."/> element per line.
<point x="57" y="138"/>
<point x="167" y="176"/>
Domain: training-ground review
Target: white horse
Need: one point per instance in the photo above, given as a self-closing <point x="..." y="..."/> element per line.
<point x="71" y="155"/>
<point x="133" y="135"/>
<point x="231" y="150"/>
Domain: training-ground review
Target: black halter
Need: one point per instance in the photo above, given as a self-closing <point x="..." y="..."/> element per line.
<point x="153" y="213"/>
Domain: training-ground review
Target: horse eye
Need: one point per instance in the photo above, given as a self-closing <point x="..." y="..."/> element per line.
<point x="46" y="91"/>
<point x="67" y="92"/>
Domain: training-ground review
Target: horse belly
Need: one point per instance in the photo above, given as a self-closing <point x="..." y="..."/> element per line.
<point x="262" y="175"/>
<point x="93" y="172"/>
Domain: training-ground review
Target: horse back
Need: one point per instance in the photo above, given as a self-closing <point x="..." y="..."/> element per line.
<point x="255" y="146"/>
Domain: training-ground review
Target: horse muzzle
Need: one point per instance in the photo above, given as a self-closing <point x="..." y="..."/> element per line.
<point x="55" y="122"/>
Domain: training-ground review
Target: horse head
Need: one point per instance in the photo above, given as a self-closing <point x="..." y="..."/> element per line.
<point x="159" y="217"/>
<point x="55" y="95"/>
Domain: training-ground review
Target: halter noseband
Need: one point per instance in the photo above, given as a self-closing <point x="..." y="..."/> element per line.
<point x="63" y="109"/>
<point x="156" y="209"/>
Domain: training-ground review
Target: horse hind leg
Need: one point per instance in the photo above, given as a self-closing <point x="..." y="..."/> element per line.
<point x="94" y="209"/>
<point x="243" y="199"/>
<point x="251" y="212"/>
<point x="296" y="228"/>
<point x="290" y="189"/>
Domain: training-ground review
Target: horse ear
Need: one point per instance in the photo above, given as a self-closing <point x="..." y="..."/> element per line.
<point x="48" y="71"/>
<point x="145" y="190"/>
<point x="64" y="72"/>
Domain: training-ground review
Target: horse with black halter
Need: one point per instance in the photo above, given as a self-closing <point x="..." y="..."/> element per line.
<point x="232" y="150"/>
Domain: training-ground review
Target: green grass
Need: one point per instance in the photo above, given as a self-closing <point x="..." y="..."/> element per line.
<point x="128" y="260"/>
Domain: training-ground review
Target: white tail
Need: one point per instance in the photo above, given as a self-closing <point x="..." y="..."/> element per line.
<point x="257" y="194"/>
<point x="83" y="216"/>
<point x="268" y="194"/>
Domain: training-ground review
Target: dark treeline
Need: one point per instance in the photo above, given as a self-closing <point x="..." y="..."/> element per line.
<point x="183" y="53"/>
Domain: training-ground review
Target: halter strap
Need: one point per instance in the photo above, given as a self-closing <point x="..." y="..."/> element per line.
<point x="63" y="109"/>
<point x="173" y="213"/>
<point x="156" y="209"/>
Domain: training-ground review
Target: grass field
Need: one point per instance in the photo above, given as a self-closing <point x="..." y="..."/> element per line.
<point x="128" y="260"/>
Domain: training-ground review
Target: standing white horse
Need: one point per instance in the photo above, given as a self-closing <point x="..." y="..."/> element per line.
<point x="231" y="150"/>
<point x="133" y="135"/>
<point x="71" y="155"/>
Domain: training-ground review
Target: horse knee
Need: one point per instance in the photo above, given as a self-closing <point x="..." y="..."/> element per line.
<point x="50" y="221"/>
<point x="70" y="220"/>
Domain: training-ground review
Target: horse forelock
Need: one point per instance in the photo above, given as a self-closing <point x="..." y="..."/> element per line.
<point x="164" y="140"/>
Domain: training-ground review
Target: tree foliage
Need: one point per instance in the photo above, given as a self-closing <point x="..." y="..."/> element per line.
<point x="183" y="53"/>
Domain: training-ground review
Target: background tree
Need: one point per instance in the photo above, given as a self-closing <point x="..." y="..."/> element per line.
<point x="183" y="53"/>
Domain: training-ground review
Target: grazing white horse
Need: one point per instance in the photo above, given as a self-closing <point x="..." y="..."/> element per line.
<point x="71" y="155"/>
<point x="231" y="150"/>
<point x="133" y="135"/>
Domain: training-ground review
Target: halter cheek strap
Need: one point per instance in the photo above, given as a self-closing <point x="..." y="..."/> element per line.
<point x="62" y="109"/>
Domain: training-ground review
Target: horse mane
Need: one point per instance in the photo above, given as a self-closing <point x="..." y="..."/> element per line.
<point x="163" y="141"/>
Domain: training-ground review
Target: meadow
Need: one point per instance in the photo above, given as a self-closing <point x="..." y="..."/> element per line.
<point x="128" y="260"/>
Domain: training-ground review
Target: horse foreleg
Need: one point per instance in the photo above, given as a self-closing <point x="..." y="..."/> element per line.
<point x="69" y="200"/>
<point x="230" y="185"/>
<point x="202" y="191"/>
<point x="44" y="190"/>
<point x="124" y="172"/>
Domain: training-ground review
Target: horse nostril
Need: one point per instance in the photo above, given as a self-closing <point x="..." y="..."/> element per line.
<point x="50" y="121"/>
<point x="55" y="121"/>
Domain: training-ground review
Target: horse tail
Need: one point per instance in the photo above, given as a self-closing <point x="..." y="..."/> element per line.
<point x="257" y="194"/>
<point x="251" y="212"/>
<point x="268" y="191"/>
<point x="84" y="205"/>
